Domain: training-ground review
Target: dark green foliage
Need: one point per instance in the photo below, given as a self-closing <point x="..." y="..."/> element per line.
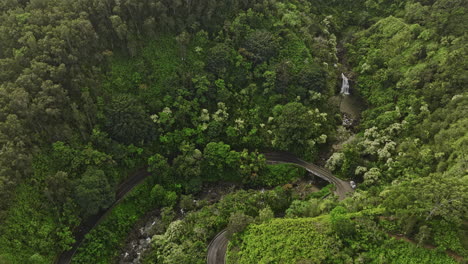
<point x="30" y="230"/>
<point x="58" y="188"/>
<point x="90" y="91"/>
<point x="163" y="197"/>
<point x="92" y="192"/>
<point x="280" y="174"/>
<point x="341" y="223"/>
<point x="297" y="128"/>
<point x="187" y="203"/>
<point x="218" y="59"/>
<point x="187" y="167"/>
<point x="127" y="121"/>
<point x="149" y="101"/>
<point x="260" y="45"/>
<point x="100" y="244"/>
<point x="313" y="78"/>
<point x="238" y="221"/>
<point x="186" y="239"/>
<point x="160" y="169"/>
<point x="220" y="161"/>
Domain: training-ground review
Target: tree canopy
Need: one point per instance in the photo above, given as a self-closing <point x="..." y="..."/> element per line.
<point x="180" y="96"/>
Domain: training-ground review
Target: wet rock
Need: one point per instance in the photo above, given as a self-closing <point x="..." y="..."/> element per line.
<point x="348" y="121"/>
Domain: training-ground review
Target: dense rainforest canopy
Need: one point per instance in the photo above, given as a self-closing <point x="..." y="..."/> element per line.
<point x="193" y="92"/>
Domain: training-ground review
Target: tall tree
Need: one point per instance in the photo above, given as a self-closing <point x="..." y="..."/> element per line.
<point x="297" y="128"/>
<point x="127" y="122"/>
<point x="93" y="192"/>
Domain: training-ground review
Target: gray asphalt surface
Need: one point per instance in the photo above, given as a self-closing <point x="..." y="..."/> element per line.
<point x="343" y="188"/>
<point x="217" y="249"/>
<point x="218" y="246"/>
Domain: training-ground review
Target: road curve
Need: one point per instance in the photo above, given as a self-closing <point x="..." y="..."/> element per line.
<point x="218" y="246"/>
<point x="89" y="224"/>
<point x="217" y="249"/>
<point x="343" y="188"/>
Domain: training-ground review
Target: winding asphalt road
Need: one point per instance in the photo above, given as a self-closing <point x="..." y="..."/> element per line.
<point x="218" y="246"/>
<point x="89" y="224"/>
<point x="343" y="188"/>
<point x="217" y="249"/>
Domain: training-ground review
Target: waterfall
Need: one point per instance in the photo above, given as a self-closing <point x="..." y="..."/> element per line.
<point x="344" y="85"/>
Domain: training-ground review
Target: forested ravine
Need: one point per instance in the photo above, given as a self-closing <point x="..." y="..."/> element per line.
<point x="350" y="107"/>
<point x="195" y="91"/>
<point x="142" y="241"/>
<point x="218" y="246"/>
<point x="81" y="231"/>
<point x="140" y="237"/>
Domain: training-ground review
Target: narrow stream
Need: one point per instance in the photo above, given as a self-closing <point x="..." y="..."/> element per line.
<point x="139" y="238"/>
<point x="139" y="244"/>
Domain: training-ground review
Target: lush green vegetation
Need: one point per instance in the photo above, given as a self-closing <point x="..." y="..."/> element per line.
<point x="184" y="241"/>
<point x="100" y="244"/>
<point x="194" y="91"/>
<point x="316" y="240"/>
<point x="287" y="241"/>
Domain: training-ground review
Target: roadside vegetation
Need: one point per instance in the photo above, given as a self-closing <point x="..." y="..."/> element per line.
<point x="332" y="238"/>
<point x="194" y="91"/>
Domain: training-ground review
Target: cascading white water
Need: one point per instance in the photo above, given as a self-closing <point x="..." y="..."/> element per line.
<point x="344" y="85"/>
